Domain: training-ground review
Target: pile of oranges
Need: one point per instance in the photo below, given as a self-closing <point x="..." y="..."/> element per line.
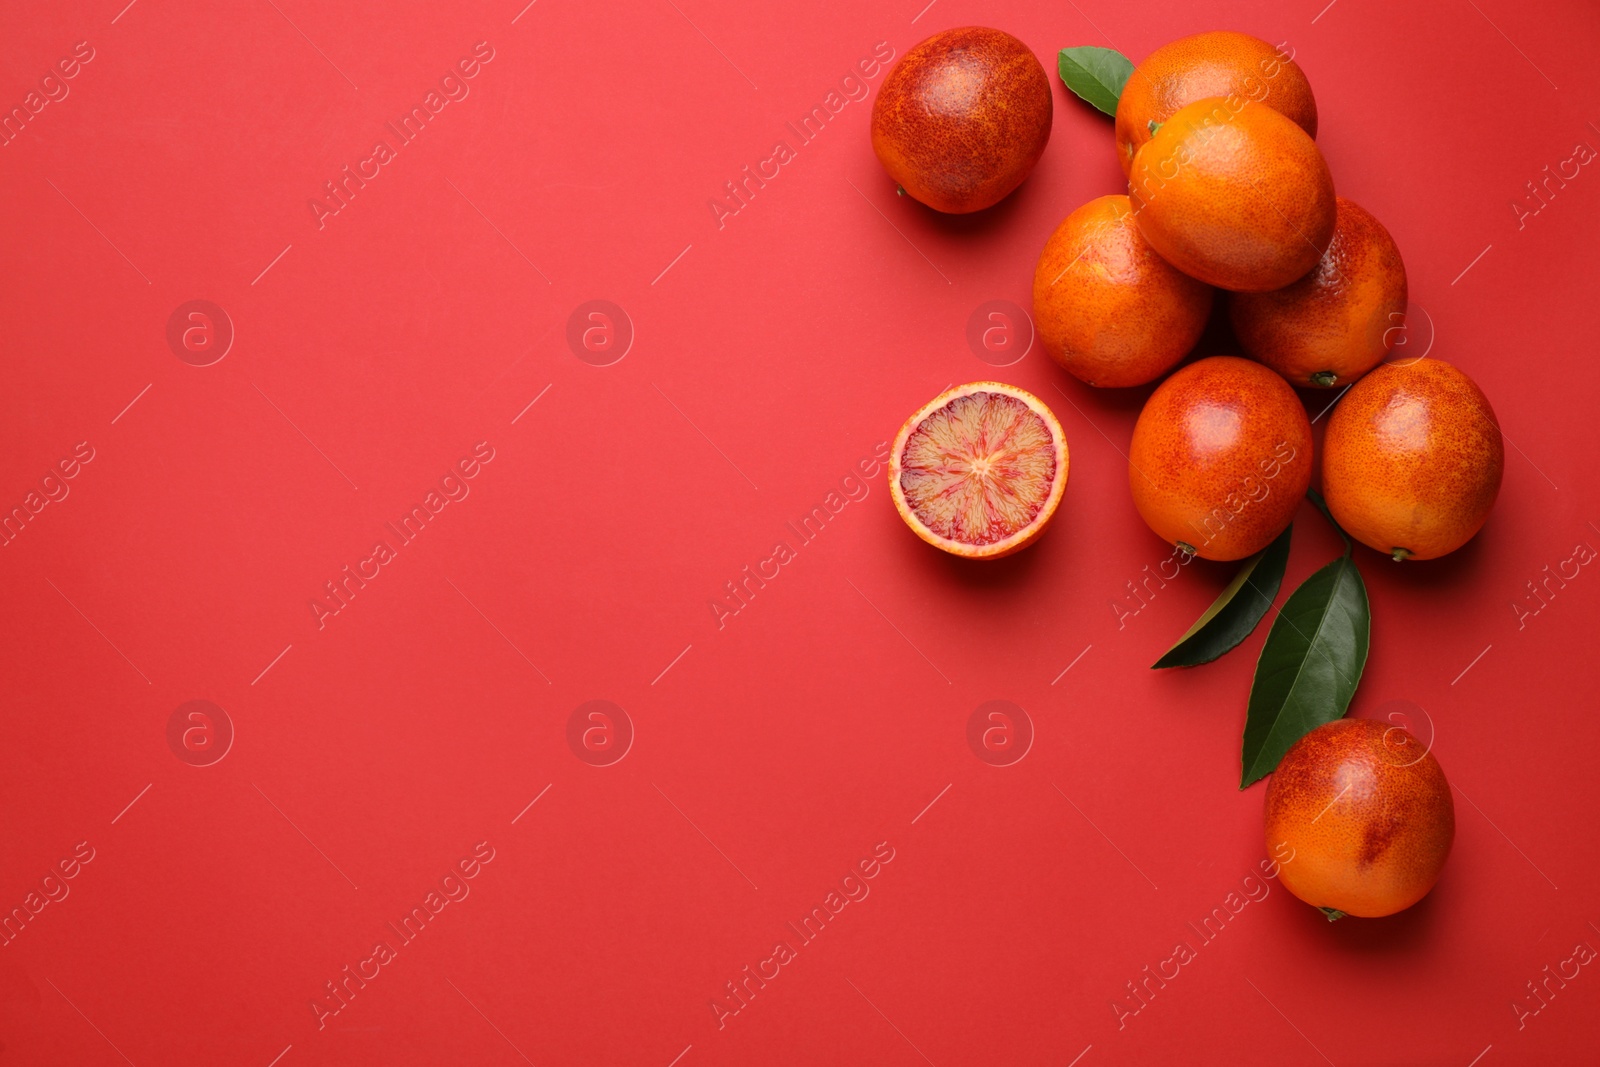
<point x="1229" y="200"/>
<point x="1230" y="209"/>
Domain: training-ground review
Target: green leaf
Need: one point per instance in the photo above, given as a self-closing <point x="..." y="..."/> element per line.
<point x="1310" y="665"/>
<point x="1235" y="612"/>
<point x="1096" y="74"/>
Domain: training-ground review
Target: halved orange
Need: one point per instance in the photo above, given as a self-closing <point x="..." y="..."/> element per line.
<point x="979" y="469"/>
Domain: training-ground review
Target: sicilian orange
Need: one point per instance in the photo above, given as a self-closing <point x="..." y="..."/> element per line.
<point x="1335" y="324"/>
<point x="1221" y="456"/>
<point x="1109" y="309"/>
<point x="979" y="470"/>
<point x="1236" y="196"/>
<point x="1368" y="815"/>
<point x="1412" y="461"/>
<point x="962" y="118"/>
<point x="1221" y="63"/>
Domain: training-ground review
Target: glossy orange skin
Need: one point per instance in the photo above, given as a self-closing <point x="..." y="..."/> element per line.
<point x="1220" y="458"/>
<point x="1335" y="324"/>
<point x="962" y="118"/>
<point x="1234" y="194"/>
<point x="1368" y="813"/>
<point x="1413" y="459"/>
<point x="1109" y="310"/>
<point x="1220" y="63"/>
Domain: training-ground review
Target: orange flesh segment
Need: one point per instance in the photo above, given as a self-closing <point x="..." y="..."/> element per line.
<point x="979" y="469"/>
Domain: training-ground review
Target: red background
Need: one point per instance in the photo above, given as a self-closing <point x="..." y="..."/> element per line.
<point x="775" y="752"/>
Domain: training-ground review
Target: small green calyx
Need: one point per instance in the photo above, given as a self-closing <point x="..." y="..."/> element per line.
<point x="1324" y="378"/>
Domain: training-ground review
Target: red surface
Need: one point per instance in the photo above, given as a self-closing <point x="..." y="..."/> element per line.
<point x="771" y="754"/>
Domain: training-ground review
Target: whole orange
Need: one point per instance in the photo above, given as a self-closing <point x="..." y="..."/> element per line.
<point x="1220" y="63"/>
<point x="1412" y="461"/>
<point x="962" y="118"/>
<point x="1368" y="814"/>
<point x="1238" y="197"/>
<point x="1332" y="326"/>
<point x="1110" y="310"/>
<point x="1221" y="456"/>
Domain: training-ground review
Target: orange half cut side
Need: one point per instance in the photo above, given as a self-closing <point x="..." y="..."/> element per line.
<point x="979" y="470"/>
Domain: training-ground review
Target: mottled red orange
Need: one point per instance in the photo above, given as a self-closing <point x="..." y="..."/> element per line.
<point x="1335" y="324"/>
<point x="1219" y="63"/>
<point x="1110" y="310"/>
<point x="963" y="118"/>
<point x="1220" y="458"/>
<point x="1368" y="813"/>
<point x="1231" y="192"/>
<point x="1412" y="461"/>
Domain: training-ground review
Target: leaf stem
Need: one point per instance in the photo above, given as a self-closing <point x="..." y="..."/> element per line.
<point x="1322" y="506"/>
